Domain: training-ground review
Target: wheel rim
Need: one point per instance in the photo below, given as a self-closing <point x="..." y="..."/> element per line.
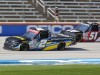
<point x="61" y="46"/>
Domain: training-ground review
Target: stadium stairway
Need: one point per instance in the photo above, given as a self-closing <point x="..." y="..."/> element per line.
<point x="38" y="8"/>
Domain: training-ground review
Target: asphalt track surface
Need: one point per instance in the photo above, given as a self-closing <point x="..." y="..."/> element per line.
<point x="80" y="50"/>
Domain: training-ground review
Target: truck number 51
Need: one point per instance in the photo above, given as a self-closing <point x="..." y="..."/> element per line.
<point x="93" y="35"/>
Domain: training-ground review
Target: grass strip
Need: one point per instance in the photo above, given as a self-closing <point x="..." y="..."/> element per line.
<point x="50" y="70"/>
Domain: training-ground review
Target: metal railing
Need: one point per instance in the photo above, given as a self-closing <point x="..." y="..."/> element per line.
<point x="50" y="12"/>
<point x="41" y="3"/>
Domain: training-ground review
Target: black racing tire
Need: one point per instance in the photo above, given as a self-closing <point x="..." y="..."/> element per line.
<point x="61" y="46"/>
<point x="78" y="38"/>
<point x="24" y="47"/>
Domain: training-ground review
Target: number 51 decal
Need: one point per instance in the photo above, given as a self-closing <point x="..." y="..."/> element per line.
<point x="93" y="35"/>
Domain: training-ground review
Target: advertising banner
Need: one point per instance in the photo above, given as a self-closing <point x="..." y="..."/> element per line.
<point x="12" y="30"/>
<point x="15" y="29"/>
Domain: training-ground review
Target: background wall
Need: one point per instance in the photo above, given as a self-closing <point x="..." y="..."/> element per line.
<point x="14" y="28"/>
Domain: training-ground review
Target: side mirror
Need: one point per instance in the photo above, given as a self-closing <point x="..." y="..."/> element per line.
<point x="94" y="28"/>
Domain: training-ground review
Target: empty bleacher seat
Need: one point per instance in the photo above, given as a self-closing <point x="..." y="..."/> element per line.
<point x="69" y="10"/>
<point x="18" y="11"/>
<point x="80" y="10"/>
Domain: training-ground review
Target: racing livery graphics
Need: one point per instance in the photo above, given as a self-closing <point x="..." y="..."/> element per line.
<point x="89" y="32"/>
<point x="39" y="39"/>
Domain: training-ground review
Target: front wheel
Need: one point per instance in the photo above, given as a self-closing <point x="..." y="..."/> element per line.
<point x="61" y="46"/>
<point x="24" y="47"/>
<point x="79" y="38"/>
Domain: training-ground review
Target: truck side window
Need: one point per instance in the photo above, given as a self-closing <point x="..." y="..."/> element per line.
<point x="95" y="28"/>
<point x="44" y="34"/>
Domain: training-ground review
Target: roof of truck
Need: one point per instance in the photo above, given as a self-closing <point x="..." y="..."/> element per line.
<point x="37" y="28"/>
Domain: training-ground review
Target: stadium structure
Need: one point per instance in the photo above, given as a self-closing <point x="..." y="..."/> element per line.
<point x="44" y="10"/>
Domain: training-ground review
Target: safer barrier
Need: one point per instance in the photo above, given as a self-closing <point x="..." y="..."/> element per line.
<point x="19" y="28"/>
<point x="50" y="61"/>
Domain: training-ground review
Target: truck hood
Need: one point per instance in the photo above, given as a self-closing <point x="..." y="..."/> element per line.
<point x="17" y="38"/>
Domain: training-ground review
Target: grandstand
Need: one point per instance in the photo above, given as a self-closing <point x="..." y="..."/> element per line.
<point x="19" y="11"/>
<point x="43" y="10"/>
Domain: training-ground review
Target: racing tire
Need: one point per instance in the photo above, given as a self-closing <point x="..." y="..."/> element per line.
<point x="24" y="47"/>
<point x="78" y="38"/>
<point x="61" y="46"/>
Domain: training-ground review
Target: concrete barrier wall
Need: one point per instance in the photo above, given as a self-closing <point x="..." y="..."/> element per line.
<point x="51" y="61"/>
<point x="19" y="28"/>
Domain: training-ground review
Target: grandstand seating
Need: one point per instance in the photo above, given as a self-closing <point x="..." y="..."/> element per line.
<point x="69" y="10"/>
<point x="18" y="11"/>
<point x="76" y="10"/>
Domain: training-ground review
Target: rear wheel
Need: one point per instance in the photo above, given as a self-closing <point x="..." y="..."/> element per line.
<point x="61" y="46"/>
<point x="24" y="47"/>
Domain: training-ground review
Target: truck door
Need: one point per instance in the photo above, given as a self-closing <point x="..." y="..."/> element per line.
<point x="93" y="33"/>
<point x="34" y="41"/>
<point x="43" y="39"/>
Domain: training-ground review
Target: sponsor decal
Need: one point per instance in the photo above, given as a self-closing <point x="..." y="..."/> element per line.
<point x="19" y="37"/>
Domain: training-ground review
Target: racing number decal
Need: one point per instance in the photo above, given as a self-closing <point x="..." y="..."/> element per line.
<point x="42" y="43"/>
<point x="93" y="35"/>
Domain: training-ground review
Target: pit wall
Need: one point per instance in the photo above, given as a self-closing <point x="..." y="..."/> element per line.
<point x="19" y="28"/>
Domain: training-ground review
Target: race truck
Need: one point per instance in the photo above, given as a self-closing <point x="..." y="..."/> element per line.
<point x="39" y="39"/>
<point x="85" y="32"/>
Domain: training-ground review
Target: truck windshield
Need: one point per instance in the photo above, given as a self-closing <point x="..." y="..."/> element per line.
<point x="30" y="34"/>
<point x="82" y="27"/>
